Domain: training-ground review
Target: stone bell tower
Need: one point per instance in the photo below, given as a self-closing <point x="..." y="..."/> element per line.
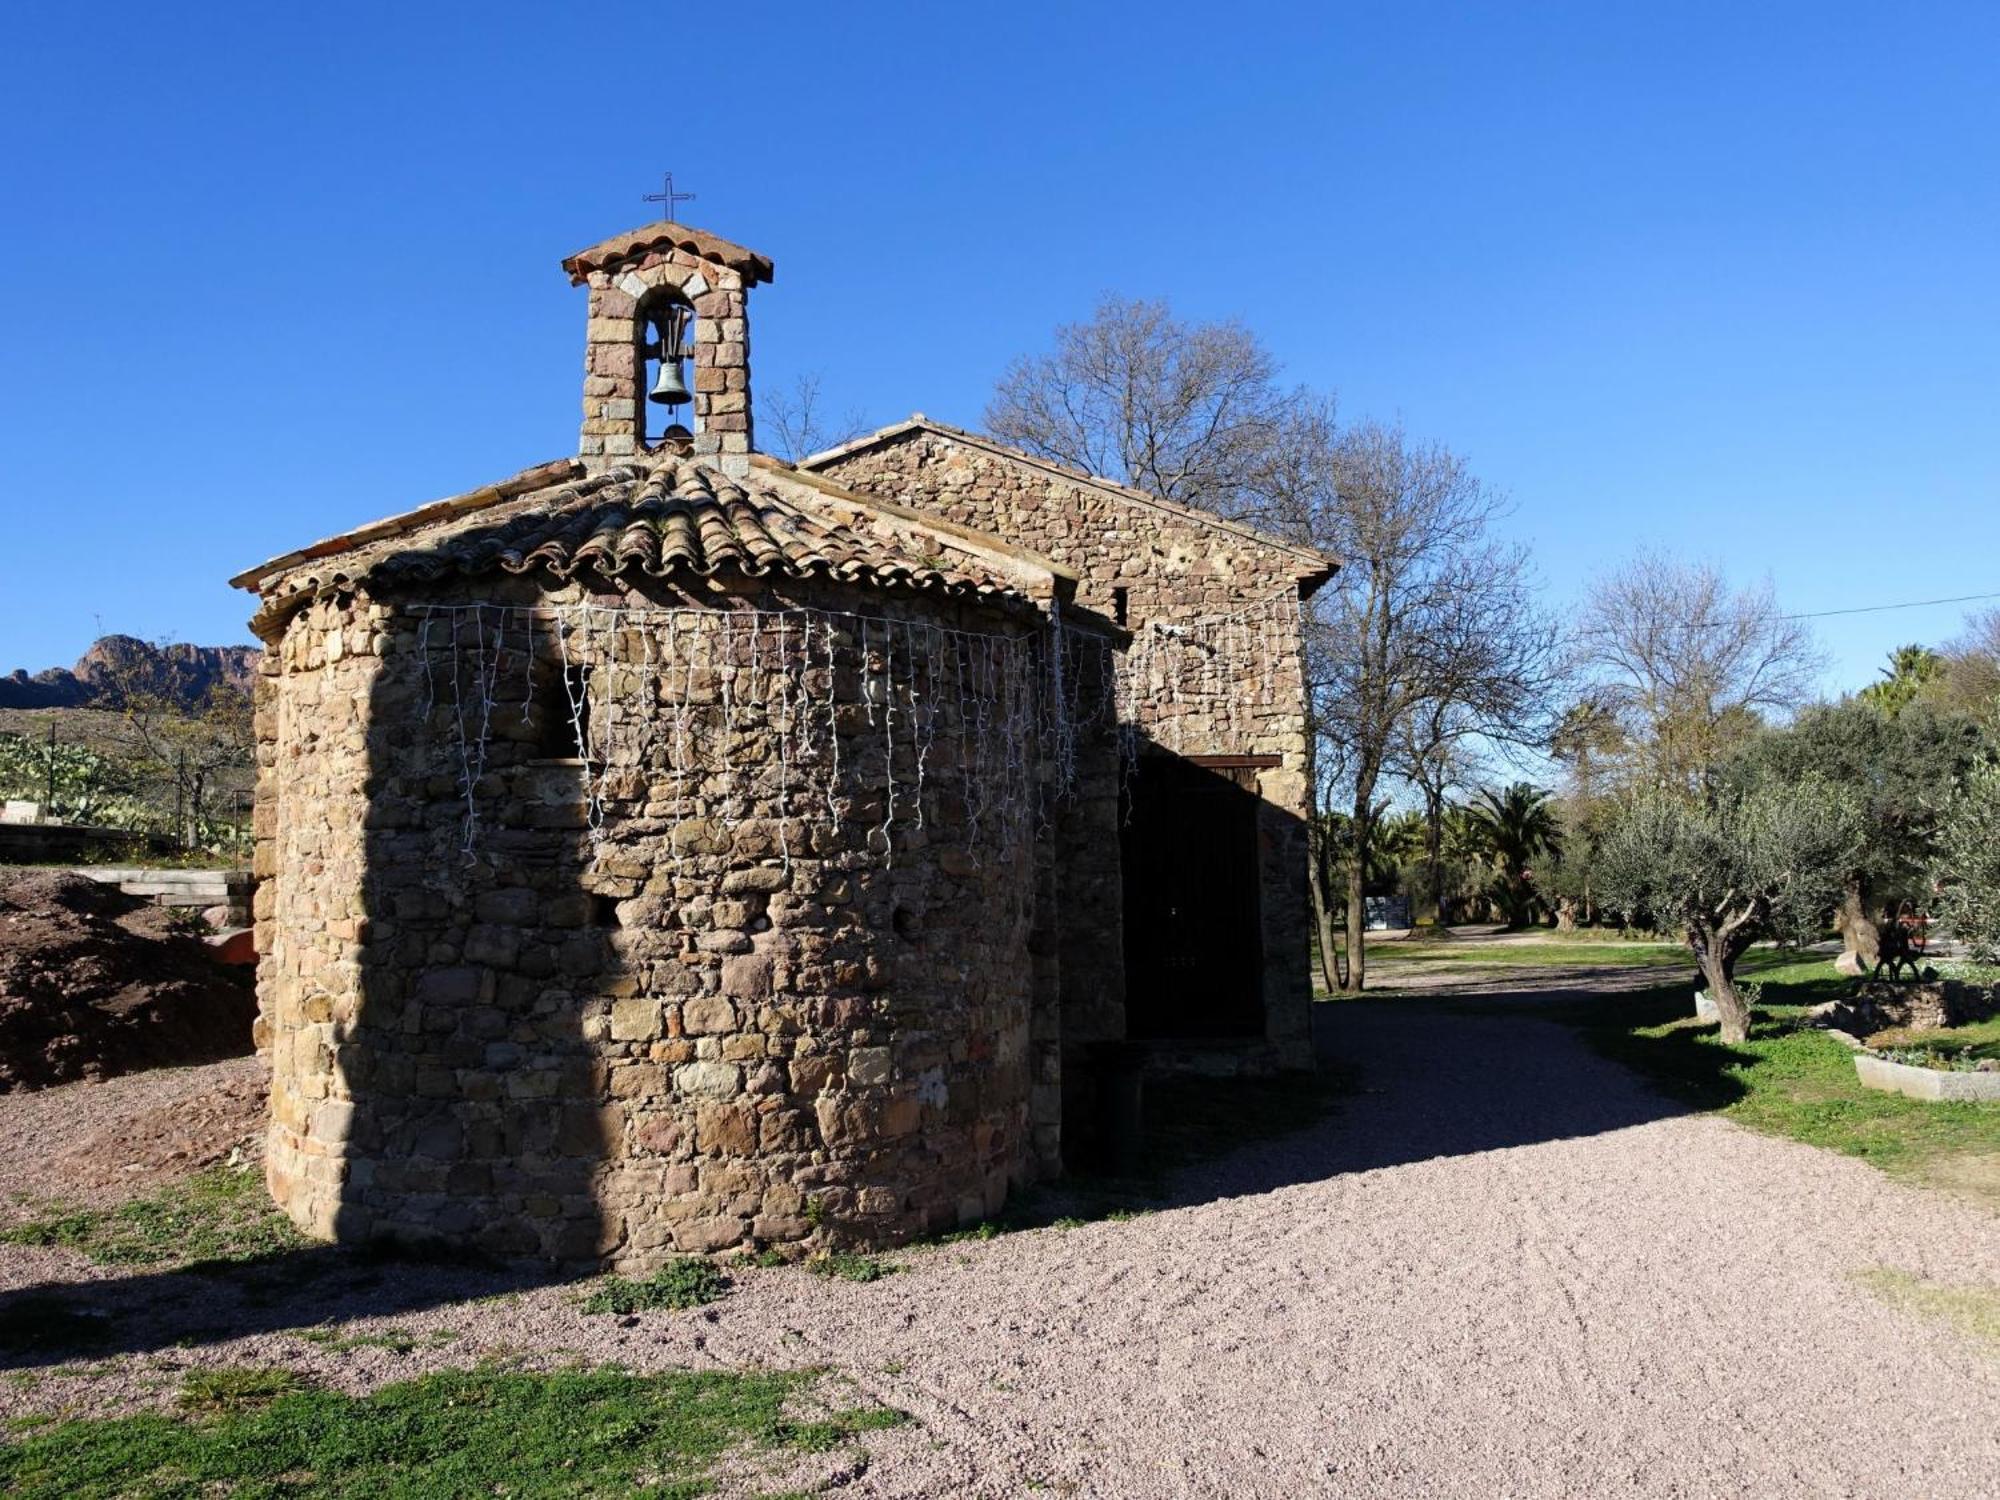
<point x="667" y="359"/>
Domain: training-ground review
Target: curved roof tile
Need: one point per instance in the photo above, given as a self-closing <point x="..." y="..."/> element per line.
<point x="654" y="517"/>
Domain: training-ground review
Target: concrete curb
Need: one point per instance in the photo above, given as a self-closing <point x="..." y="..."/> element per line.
<point x="1933" y="1085"/>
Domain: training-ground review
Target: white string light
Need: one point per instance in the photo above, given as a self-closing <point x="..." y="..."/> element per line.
<point x="679" y="694"/>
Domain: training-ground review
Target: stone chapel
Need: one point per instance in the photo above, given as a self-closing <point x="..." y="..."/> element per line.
<point x="669" y="849"/>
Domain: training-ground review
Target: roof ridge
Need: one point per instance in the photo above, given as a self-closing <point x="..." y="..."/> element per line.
<point x="917" y="421"/>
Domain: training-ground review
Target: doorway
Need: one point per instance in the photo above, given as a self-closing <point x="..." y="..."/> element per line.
<point x="1194" y="951"/>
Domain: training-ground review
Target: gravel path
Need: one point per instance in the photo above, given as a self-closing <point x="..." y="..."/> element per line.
<point x="1505" y="1269"/>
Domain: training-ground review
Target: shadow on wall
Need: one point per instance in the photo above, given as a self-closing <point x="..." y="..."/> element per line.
<point x="433" y="1082"/>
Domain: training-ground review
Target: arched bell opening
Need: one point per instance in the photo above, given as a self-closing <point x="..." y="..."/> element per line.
<point x="666" y="415"/>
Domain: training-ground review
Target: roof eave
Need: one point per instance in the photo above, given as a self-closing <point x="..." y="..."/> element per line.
<point x="528" y="480"/>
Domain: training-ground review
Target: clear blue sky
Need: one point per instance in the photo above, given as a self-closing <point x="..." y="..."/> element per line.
<point x="1715" y="276"/>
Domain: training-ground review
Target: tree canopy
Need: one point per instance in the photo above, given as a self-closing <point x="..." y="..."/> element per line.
<point x="1730" y="870"/>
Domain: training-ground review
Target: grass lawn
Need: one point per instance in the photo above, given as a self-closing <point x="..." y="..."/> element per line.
<point x="1527" y="951"/>
<point x="1797" y="1083"/>
<point x="220" y="1214"/>
<point x="475" y="1432"/>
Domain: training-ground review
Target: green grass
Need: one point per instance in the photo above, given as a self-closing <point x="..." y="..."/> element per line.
<point x="681" y="1283"/>
<point x="848" y="1266"/>
<point x="237" y="1388"/>
<point x="220" y="1214"/>
<point x="1792" y="1082"/>
<point x="569" y="1433"/>
<point x="1530" y="952"/>
<point x="1973" y="1310"/>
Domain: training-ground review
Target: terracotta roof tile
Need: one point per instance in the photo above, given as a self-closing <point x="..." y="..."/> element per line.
<point x="665" y="235"/>
<point x="652" y="517"/>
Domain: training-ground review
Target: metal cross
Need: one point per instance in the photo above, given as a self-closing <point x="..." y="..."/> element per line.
<point x="667" y="196"/>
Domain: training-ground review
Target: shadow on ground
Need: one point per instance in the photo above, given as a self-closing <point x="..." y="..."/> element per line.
<point x="1403" y="1079"/>
<point x="53" y="1322"/>
<point x="1436" y="1077"/>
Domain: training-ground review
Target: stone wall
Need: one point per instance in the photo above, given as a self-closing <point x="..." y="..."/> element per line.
<point x="728" y="1018"/>
<point x="1910" y="1005"/>
<point x="1233" y="688"/>
<point x="614" y="369"/>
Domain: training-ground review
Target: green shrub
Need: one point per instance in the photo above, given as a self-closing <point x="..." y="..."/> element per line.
<point x="1968" y="865"/>
<point x="849" y="1266"/>
<point x="681" y="1283"/>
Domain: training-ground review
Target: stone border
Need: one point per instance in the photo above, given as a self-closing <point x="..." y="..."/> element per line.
<point x="1932" y="1085"/>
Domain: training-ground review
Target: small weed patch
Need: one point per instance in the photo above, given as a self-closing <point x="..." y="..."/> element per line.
<point x="823" y="1437"/>
<point x="568" y="1433"/>
<point x="851" y="1267"/>
<point x="236" y="1389"/>
<point x="681" y="1283"/>
<point x="221" y="1214"/>
<point x="1973" y="1310"/>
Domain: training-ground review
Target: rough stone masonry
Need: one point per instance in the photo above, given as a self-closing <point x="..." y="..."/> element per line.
<point x="666" y="850"/>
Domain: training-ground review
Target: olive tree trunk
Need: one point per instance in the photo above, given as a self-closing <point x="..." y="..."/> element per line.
<point x="1860" y="938"/>
<point x="1716" y="950"/>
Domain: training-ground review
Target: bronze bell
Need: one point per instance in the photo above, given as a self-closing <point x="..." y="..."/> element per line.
<point x="670" y="389"/>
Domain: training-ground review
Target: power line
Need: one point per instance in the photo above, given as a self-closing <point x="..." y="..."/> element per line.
<point x="1876" y="609"/>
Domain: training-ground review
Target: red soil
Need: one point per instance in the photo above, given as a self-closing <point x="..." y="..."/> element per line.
<point x="94" y="982"/>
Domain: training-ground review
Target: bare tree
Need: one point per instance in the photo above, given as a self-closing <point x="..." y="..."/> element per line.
<point x="795" y="417"/>
<point x="1688" y="666"/>
<point x="1188" y="411"/>
<point x="1437" y="752"/>
<point x="1970" y="678"/>
<point x="1430" y="615"/>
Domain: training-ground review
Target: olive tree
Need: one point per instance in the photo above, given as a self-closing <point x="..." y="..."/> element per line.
<point x="1729" y="871"/>
<point x="1968" y="865"/>
<point x="1900" y="768"/>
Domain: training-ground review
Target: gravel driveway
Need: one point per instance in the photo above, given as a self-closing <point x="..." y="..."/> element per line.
<point x="1505" y="1269"/>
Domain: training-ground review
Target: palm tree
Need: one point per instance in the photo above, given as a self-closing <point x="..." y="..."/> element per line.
<point x="1911" y="669"/>
<point x="1518" y="824"/>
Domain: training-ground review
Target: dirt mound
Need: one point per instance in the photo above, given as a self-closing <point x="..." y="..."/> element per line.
<point x="93" y="1144"/>
<point x="94" y="982"/>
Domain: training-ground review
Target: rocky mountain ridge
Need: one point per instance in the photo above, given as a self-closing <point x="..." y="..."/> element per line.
<point x="117" y="665"/>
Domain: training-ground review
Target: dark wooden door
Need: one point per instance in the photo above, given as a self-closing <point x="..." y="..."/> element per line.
<point x="1194" y="956"/>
